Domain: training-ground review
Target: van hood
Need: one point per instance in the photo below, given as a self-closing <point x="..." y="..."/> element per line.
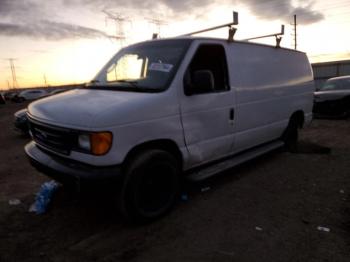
<point x="94" y="109"/>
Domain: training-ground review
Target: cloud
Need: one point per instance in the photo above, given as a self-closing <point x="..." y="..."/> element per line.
<point x="20" y="8"/>
<point x="307" y="16"/>
<point x="284" y="10"/>
<point x="180" y="6"/>
<point x="45" y="19"/>
<point x="49" y="30"/>
<point x="265" y="9"/>
<point x="37" y="19"/>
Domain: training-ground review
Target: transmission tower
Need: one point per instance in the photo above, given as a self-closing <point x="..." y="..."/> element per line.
<point x="119" y="21"/>
<point x="13" y="72"/>
<point x="158" y="23"/>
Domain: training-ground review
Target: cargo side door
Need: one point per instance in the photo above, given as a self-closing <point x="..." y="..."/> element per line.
<point x="207" y="110"/>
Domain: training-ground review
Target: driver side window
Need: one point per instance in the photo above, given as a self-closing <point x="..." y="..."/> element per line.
<point x="207" y="72"/>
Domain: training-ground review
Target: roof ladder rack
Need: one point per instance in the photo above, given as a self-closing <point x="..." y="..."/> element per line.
<point x="278" y="37"/>
<point x="231" y="32"/>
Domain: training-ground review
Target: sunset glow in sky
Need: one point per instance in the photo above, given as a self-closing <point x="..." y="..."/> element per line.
<point x="67" y="41"/>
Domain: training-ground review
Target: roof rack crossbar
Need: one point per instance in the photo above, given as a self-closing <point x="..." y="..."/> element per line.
<point x="276" y="35"/>
<point x="232" y="30"/>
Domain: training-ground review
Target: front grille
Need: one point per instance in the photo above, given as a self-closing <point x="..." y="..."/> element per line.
<point x="57" y="139"/>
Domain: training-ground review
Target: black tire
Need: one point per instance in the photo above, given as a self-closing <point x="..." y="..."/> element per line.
<point x="151" y="186"/>
<point x="290" y="136"/>
<point x="346" y="104"/>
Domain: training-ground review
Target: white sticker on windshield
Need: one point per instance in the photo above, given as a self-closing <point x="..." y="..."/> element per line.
<point x="161" y="67"/>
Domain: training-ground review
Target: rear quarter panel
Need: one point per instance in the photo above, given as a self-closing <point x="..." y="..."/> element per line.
<point x="271" y="84"/>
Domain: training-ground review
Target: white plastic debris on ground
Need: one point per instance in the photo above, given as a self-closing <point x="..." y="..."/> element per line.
<point x="204" y="189"/>
<point x="258" y="229"/>
<point x="14" y="202"/>
<point x="324" y="229"/>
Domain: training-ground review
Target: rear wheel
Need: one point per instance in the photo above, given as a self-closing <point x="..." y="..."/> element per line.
<point x="150" y="187"/>
<point x="291" y="135"/>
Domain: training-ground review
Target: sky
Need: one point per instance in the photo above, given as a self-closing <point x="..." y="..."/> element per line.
<point x="68" y="41"/>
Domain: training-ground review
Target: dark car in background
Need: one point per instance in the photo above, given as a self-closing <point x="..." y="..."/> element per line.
<point x="2" y="99"/>
<point x="332" y="99"/>
<point x="21" y="121"/>
<point x="9" y="95"/>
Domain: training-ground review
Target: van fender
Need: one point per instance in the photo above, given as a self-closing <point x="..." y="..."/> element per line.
<point x="166" y="145"/>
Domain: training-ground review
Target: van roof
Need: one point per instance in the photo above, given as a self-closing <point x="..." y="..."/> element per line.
<point x="193" y="38"/>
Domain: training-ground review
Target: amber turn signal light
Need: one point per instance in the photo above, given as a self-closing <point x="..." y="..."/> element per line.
<point x="101" y="142"/>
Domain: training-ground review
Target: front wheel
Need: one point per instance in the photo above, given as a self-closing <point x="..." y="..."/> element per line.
<point x="151" y="186"/>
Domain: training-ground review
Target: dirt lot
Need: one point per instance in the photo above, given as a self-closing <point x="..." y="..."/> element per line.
<point x="266" y="210"/>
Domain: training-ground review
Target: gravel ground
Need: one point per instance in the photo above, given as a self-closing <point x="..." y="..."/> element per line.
<point x="268" y="209"/>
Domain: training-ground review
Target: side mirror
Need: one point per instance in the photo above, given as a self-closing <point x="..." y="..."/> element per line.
<point x="202" y="82"/>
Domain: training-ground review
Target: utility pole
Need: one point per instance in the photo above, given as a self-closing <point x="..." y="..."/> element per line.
<point x="45" y="81"/>
<point x="158" y="23"/>
<point x="8" y="85"/>
<point x="295" y="32"/>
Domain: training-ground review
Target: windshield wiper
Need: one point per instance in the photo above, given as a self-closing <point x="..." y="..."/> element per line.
<point x="131" y="88"/>
<point x="133" y="83"/>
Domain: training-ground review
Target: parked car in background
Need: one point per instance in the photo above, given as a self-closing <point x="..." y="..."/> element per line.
<point x="333" y="98"/>
<point x="2" y="99"/>
<point x="29" y="95"/>
<point x="9" y="95"/>
<point x="57" y="91"/>
<point x="21" y="121"/>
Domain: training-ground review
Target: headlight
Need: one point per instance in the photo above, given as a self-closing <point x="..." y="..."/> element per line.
<point x="84" y="142"/>
<point x="96" y="143"/>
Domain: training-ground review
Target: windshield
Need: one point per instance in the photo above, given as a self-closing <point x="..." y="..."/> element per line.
<point x="148" y="66"/>
<point x="336" y="84"/>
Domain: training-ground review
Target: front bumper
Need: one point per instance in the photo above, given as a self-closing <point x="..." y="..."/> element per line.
<point x="66" y="170"/>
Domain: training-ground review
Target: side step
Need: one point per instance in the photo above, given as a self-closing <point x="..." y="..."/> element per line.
<point x="234" y="161"/>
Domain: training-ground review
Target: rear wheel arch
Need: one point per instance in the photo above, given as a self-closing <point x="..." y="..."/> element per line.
<point x="297" y="118"/>
<point x="290" y="135"/>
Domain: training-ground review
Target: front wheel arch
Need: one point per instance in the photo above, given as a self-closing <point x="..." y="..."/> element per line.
<point x="166" y="145"/>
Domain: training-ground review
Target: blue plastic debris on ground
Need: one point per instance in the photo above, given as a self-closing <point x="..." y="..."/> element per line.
<point x="43" y="197"/>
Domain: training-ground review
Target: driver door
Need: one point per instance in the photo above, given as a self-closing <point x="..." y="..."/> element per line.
<point x="207" y="108"/>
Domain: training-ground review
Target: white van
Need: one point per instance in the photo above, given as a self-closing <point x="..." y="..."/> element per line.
<point x="164" y="109"/>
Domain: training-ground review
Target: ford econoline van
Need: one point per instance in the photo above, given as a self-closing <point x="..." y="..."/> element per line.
<point x="166" y="109"/>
